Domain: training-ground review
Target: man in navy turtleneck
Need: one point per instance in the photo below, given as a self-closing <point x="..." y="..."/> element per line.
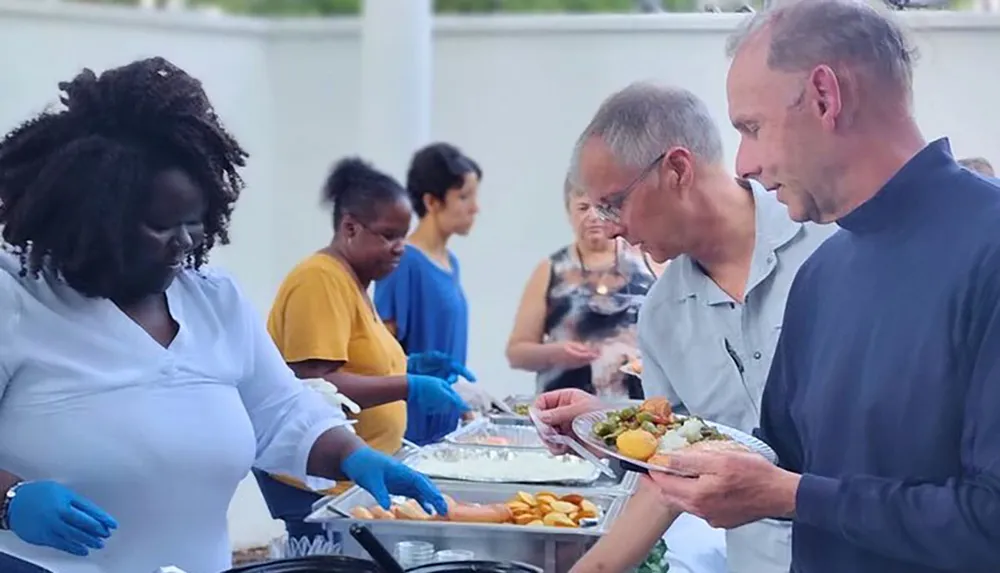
<point x="883" y="399"/>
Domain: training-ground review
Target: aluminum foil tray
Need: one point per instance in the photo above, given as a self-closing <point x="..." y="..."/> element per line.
<point x="491" y="435"/>
<point x="501" y="465"/>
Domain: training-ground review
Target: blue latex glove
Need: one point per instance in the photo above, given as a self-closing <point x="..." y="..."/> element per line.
<point x="47" y="513"/>
<point x="439" y="365"/>
<point x="380" y="475"/>
<point x="422" y="429"/>
<point x="433" y="396"/>
<point x="433" y="409"/>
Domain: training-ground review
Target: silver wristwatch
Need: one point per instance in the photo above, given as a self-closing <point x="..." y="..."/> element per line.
<point x="5" y="505"/>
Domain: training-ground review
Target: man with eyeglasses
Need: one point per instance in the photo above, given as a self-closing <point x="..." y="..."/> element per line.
<point x="652" y="161"/>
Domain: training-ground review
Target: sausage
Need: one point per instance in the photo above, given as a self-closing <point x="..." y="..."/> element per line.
<point x="492" y="513"/>
<point x="452" y="504"/>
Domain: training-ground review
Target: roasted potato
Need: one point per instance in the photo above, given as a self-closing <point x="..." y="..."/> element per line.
<point x="556" y="519"/>
<point x="564" y="507"/>
<point x="526" y="498"/>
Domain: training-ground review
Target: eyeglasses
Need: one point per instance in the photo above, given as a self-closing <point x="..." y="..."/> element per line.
<point x="610" y="207"/>
<point x="393" y="241"/>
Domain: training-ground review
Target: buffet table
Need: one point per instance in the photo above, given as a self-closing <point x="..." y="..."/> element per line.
<point x="556" y="507"/>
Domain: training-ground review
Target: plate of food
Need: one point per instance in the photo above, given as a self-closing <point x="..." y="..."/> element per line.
<point x="646" y="435"/>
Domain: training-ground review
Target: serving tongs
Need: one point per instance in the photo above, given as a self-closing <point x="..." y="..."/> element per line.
<point x="549" y="434"/>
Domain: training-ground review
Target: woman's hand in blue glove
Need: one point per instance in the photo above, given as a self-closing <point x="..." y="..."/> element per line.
<point x="382" y="476"/>
<point x="423" y="430"/>
<point x="49" y="514"/>
<point x="433" y="396"/>
<point x="433" y="409"/>
<point x="439" y="365"/>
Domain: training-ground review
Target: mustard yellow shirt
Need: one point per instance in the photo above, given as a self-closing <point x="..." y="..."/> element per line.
<point x="320" y="313"/>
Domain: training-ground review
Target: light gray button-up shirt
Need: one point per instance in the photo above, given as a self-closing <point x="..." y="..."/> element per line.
<point x="711" y="354"/>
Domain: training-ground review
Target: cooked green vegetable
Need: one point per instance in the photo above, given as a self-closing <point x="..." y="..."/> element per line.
<point x="636" y="419"/>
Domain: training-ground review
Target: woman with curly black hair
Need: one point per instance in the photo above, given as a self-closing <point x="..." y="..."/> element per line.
<point x="136" y="387"/>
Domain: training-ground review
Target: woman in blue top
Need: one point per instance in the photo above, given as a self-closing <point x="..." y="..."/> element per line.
<point x="422" y="301"/>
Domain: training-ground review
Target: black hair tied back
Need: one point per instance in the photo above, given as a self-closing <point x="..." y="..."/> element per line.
<point x="355" y="187"/>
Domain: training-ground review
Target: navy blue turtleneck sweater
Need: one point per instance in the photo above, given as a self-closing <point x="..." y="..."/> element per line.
<point x="884" y="392"/>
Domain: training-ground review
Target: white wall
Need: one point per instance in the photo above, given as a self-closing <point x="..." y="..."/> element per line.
<point x="514" y="92"/>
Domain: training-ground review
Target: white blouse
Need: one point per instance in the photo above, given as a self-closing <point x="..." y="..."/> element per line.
<point x="158" y="437"/>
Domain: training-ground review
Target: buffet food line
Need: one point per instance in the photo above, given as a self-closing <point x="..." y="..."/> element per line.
<point x="510" y="500"/>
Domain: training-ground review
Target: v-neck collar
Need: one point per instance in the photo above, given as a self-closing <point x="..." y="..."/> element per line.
<point x="133" y="330"/>
<point x="432" y="261"/>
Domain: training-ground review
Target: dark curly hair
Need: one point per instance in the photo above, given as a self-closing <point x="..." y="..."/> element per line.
<point x="73" y="181"/>
<point x="434" y="170"/>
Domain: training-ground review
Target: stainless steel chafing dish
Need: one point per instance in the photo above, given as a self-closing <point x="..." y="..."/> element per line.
<point x="519" y="415"/>
<point x="555" y="549"/>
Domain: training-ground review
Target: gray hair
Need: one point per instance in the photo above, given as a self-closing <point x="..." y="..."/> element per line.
<point x="978" y="164"/>
<point x="808" y="33"/>
<point x="644" y="120"/>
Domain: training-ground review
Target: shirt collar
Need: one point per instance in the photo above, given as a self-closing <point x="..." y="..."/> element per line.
<point x="899" y="200"/>
<point x="773" y="230"/>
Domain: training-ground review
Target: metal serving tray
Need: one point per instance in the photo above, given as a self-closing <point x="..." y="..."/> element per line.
<point x="554" y="549"/>
<point x="498" y="416"/>
<point x="485" y="434"/>
<point x="458" y="458"/>
<point x="502" y="419"/>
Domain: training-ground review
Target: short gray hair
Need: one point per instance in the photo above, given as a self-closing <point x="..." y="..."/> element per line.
<point x="978" y="164"/>
<point x="808" y="33"/>
<point x="645" y="119"/>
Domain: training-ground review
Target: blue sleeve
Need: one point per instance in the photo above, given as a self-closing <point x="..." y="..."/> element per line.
<point x="951" y="526"/>
<point x="392" y="298"/>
